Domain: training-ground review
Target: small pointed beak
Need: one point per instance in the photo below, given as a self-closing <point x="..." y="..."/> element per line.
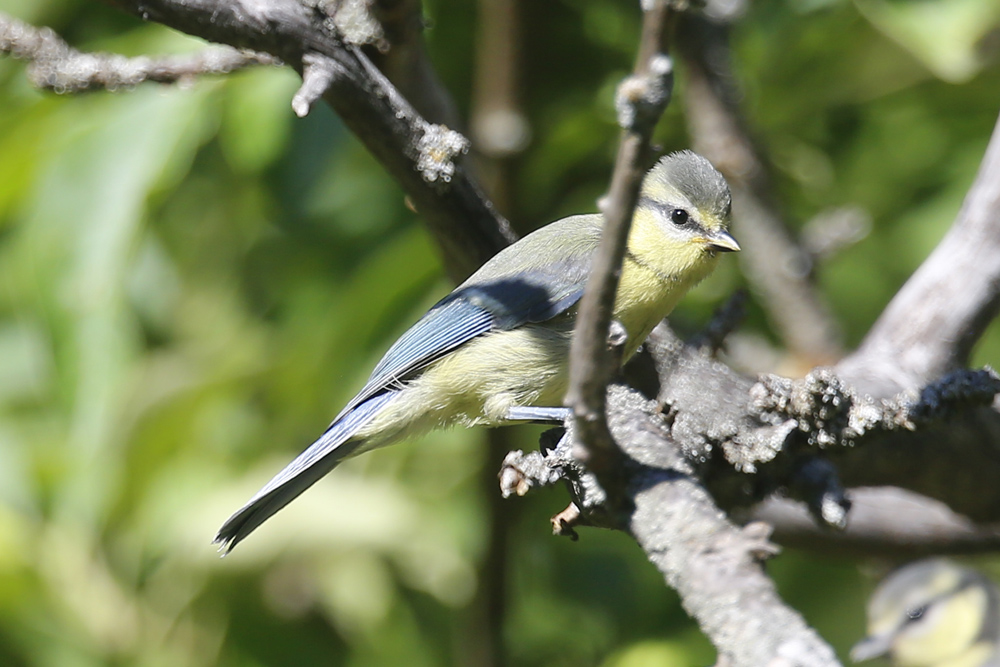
<point x="871" y="647"/>
<point x="722" y="241"/>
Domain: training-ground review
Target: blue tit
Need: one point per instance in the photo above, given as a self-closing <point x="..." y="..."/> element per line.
<point x="497" y="346"/>
<point x="933" y="613"/>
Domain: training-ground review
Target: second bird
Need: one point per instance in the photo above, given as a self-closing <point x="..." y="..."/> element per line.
<point x="499" y="343"/>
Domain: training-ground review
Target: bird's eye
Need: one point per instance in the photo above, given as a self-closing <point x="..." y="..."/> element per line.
<point x="916" y="613"/>
<point x="679" y="216"/>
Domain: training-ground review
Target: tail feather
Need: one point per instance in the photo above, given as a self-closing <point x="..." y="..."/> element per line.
<point x="321" y="457"/>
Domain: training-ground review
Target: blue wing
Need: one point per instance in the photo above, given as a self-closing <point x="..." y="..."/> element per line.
<point x="470" y="311"/>
<point x="445" y="326"/>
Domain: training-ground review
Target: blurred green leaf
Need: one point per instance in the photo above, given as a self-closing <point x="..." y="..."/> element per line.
<point x="257" y="124"/>
<point x="946" y="35"/>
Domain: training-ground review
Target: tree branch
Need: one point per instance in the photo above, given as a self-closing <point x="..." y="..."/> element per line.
<point x="422" y="157"/>
<point x="931" y="325"/>
<point x="884" y="521"/>
<point x="54" y="65"/>
<point x="776" y="265"/>
<point x="758" y="437"/>
<point x="713" y="565"/>
<point x="641" y="100"/>
<point x="404" y="61"/>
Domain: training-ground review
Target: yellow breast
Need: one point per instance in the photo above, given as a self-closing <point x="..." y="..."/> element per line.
<point x="645" y="297"/>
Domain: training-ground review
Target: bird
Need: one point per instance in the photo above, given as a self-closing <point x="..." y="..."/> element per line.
<point x="933" y="613"/>
<point x="495" y="349"/>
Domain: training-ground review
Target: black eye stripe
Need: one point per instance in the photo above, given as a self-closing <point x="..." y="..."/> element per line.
<point x="666" y="211"/>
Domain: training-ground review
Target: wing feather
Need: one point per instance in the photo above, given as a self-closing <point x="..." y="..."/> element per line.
<point x="475" y="308"/>
<point x="445" y="326"/>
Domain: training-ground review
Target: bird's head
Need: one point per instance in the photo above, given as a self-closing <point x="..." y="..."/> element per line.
<point x="931" y="613"/>
<point x="682" y="218"/>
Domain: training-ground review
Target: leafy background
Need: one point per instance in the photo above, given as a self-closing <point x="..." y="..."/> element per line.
<point x="193" y="281"/>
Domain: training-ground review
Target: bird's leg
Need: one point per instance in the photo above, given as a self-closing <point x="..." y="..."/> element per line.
<point x="539" y="414"/>
<point x="617" y="336"/>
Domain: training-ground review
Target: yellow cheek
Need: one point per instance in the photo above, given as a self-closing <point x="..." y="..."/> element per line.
<point x="656" y="279"/>
<point x="945" y="638"/>
<point x="669" y="255"/>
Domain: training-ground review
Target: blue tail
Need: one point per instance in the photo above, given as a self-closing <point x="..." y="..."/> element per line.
<point x="321" y="457"/>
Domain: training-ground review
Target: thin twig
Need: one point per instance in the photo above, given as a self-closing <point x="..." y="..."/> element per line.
<point x="56" y="66"/>
<point x="642" y="97"/>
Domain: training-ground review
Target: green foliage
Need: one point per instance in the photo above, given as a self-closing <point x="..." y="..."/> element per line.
<point x="192" y="282"/>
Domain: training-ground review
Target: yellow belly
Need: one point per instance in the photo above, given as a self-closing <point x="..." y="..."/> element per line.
<point x="479" y="382"/>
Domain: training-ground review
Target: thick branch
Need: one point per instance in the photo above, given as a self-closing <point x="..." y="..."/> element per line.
<point x="422" y="157"/>
<point x="54" y="65"/>
<point x="713" y="565"/>
<point x="933" y="322"/>
<point x="884" y="521"/>
<point x="755" y="438"/>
